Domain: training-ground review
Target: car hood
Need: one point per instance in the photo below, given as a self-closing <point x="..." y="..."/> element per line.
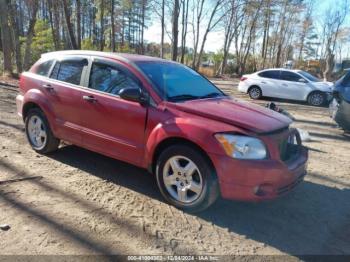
<point x="238" y="113"/>
<point x="324" y="86"/>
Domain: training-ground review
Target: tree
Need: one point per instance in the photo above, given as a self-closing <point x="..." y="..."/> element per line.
<point x="232" y="19"/>
<point x="333" y="20"/>
<point x="200" y="14"/>
<point x="33" y="6"/>
<point x="67" y="15"/>
<point x="15" y="35"/>
<point x="175" y="29"/>
<point x="5" y="37"/>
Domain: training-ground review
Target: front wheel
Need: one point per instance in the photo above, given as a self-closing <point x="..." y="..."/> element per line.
<point x="316" y="99"/>
<point x="39" y="133"/>
<point x="185" y="178"/>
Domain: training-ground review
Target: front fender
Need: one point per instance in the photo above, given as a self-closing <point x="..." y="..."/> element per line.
<point x="199" y="132"/>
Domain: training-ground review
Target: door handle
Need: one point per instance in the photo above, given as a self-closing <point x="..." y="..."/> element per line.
<point x="263" y="82"/>
<point x="90" y="99"/>
<point x="48" y="87"/>
<point x="284" y="84"/>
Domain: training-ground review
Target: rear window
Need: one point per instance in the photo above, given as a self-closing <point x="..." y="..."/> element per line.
<point x="274" y="74"/>
<point x="68" y="71"/>
<point x="43" y="68"/>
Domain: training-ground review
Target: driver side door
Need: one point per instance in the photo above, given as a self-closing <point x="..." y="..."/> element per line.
<point x="293" y="86"/>
<point x="112" y="125"/>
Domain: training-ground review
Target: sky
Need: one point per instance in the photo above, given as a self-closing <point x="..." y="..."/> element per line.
<point x="216" y="38"/>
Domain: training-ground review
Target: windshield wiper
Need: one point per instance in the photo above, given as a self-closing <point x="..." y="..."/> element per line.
<point x="211" y="95"/>
<point x="182" y="97"/>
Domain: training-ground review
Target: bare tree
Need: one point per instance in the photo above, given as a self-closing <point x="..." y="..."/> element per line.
<point x="232" y="20"/>
<point x="5" y="36"/>
<point x="333" y="19"/>
<point x="33" y="6"/>
<point x="175" y="29"/>
<point x="15" y="35"/>
<point x="67" y="15"/>
<point x="200" y="14"/>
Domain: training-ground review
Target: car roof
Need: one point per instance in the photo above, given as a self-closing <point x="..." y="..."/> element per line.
<point x="282" y="69"/>
<point x="131" y="58"/>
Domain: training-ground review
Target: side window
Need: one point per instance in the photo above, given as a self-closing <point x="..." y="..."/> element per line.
<point x="273" y="74"/>
<point x="43" y="68"/>
<point x="68" y="71"/>
<point x="290" y="76"/>
<point x="109" y="79"/>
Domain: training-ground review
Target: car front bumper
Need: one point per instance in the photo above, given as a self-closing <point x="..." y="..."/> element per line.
<point x="257" y="180"/>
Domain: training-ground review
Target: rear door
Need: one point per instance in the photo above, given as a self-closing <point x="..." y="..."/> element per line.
<point x="64" y="92"/>
<point x="293" y="86"/>
<point x="269" y="83"/>
<point x="113" y="126"/>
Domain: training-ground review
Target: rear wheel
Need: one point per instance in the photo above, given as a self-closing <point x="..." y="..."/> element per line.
<point x="316" y="99"/>
<point x="39" y="133"/>
<point x="185" y="178"/>
<point x="255" y="92"/>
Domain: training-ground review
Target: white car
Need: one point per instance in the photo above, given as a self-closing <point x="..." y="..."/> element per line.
<point x="286" y="84"/>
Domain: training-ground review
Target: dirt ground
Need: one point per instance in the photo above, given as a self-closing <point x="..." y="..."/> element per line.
<point x="78" y="202"/>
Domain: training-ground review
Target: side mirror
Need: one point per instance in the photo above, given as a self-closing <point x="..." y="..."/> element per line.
<point x="302" y="80"/>
<point x="135" y="95"/>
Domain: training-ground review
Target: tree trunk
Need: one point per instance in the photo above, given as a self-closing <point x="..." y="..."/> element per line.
<point x="175" y="30"/>
<point x="102" y="40"/>
<point x="54" y="30"/>
<point x="15" y="34"/>
<point x="72" y="39"/>
<point x="5" y="36"/>
<point x="30" y="34"/>
<point x="143" y="26"/>
<point x="78" y="23"/>
<point x="329" y="65"/>
<point x="163" y="29"/>
<point x="184" y="30"/>
<point x="113" y="27"/>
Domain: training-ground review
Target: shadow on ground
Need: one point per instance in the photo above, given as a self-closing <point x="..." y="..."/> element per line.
<point x="307" y="221"/>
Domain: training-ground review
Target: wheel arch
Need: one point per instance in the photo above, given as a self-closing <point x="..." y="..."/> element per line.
<point x="254" y="85"/>
<point x="27" y="107"/>
<point x="170" y="141"/>
<point x="313" y="92"/>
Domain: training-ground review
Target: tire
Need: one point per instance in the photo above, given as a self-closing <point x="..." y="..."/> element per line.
<point x="203" y="179"/>
<point x="316" y="99"/>
<point x="38" y="132"/>
<point x="255" y="92"/>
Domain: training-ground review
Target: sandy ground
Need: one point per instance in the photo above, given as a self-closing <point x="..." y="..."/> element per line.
<point x="80" y="202"/>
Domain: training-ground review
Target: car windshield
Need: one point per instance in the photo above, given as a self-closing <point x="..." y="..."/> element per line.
<point x="175" y="82"/>
<point x="309" y="76"/>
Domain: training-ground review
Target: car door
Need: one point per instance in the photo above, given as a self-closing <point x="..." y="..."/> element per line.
<point x="269" y="83"/>
<point x="63" y="90"/>
<point x="113" y="126"/>
<point x="293" y="86"/>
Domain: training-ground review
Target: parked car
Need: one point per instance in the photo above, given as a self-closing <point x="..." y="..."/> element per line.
<point x="165" y="117"/>
<point x="340" y="105"/>
<point x="286" y="84"/>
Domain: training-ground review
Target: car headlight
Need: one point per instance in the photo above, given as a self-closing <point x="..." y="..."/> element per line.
<point x="242" y="147"/>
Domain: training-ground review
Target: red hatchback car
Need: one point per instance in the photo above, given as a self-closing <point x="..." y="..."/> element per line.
<point x="163" y="116"/>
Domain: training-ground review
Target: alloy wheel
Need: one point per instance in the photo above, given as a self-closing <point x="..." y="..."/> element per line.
<point x="182" y="179"/>
<point x="37" y="132"/>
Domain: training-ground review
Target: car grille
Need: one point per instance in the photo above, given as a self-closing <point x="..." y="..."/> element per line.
<point x="290" y="147"/>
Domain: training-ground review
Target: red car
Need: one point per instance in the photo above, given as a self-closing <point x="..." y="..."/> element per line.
<point x="163" y="116"/>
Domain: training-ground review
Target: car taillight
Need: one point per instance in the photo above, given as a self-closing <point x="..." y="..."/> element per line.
<point x="243" y="78"/>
